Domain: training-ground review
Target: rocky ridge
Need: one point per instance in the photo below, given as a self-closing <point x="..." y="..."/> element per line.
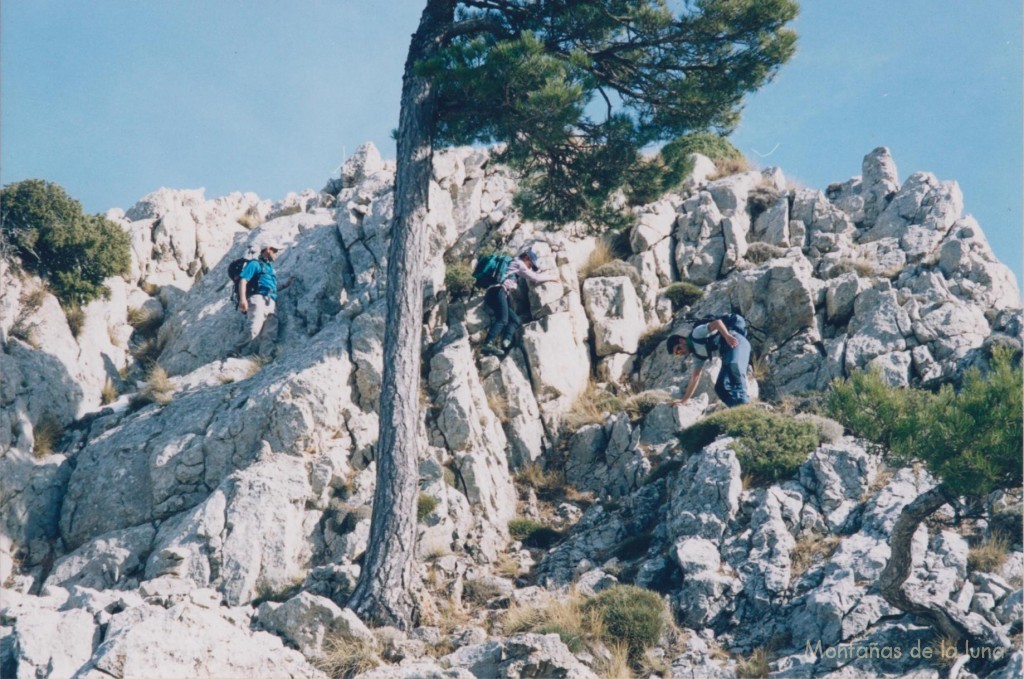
<point x="216" y="530"/>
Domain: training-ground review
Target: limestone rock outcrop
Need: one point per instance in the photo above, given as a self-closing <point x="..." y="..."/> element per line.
<point x="209" y="519"/>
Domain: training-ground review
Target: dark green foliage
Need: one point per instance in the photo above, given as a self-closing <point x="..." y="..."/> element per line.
<point x="631" y="614"/>
<point x="576" y="89"/>
<point x="571" y="638"/>
<point x="769" y="447"/>
<point x="533" y="534"/>
<point x="73" y="252"/>
<point x="458" y="279"/>
<point x="654" y="177"/>
<point x="714" y="146"/>
<point x="971" y="439"/>
<point x="682" y="294"/>
<point x="634" y="546"/>
<point x="425" y="506"/>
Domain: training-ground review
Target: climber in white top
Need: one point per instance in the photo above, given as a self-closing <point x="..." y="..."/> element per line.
<point x="498" y="298"/>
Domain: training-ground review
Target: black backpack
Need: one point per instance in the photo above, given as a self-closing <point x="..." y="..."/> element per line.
<point x="235" y="272"/>
<point x="736" y="324"/>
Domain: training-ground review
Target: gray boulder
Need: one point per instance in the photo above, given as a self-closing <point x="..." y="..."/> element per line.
<point x="706" y="493"/>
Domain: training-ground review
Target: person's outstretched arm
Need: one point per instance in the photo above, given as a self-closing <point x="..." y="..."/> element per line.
<point x="692" y="386"/>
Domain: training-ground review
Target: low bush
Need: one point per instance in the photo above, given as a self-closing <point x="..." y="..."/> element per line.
<point x="533" y="534"/>
<point x="969" y="438"/>
<point x="762" y="197"/>
<point x="829" y="431"/>
<point x="73" y="252"/>
<point x="632" y="615"/>
<point x="653" y="177"/>
<point x="759" y="253"/>
<point x="425" y="506"/>
<point x="459" y="281"/>
<point x="682" y="293"/>
<point x="769" y="447"/>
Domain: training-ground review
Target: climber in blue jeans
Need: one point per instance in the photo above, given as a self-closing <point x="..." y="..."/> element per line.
<point x="499" y="301"/>
<point x="731" y="385"/>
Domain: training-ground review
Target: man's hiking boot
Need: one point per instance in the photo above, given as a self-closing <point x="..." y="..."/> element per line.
<point x="491" y="350"/>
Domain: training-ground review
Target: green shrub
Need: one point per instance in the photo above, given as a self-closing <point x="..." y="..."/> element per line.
<point x="533" y="534"/>
<point x="425" y="506"/>
<point x="73" y="252"/>
<point x="829" y="431"/>
<point x="458" y="279"/>
<point x="769" y="447"/>
<point x="653" y="177"/>
<point x="632" y="615"/>
<point x="970" y="439"/>
<point x="682" y="294"/>
<point x="759" y="253"/>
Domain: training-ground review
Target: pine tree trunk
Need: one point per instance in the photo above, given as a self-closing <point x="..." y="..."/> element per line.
<point x="947" y="620"/>
<point x="384" y="593"/>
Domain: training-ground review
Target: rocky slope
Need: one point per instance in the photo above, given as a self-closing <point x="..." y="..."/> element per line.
<point x="212" y="524"/>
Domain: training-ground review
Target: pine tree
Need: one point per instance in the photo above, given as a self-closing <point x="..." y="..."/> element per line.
<point x="969" y="439"/>
<point x="575" y="88"/>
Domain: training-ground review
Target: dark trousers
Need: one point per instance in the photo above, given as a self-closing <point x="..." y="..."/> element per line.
<point x="731" y="385"/>
<point x="506" y="322"/>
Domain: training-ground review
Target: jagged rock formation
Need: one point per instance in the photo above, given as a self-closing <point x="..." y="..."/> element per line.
<point x="231" y="513"/>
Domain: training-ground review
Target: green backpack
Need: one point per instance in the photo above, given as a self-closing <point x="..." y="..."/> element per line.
<point x="491" y="269"/>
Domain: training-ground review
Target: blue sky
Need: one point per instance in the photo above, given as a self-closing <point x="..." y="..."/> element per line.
<point x="114" y="99"/>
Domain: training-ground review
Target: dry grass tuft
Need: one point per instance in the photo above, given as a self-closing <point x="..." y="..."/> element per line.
<point x="109" y="393"/>
<point x="76" y="319"/>
<point x="46" y="435"/>
<point x="726" y="167"/>
<point x="150" y="288"/>
<point x="534" y="476"/>
<point x="601" y="255"/>
<point x="25" y="331"/>
<point x="158" y="387"/>
<point x="145" y="351"/>
<point x="990" y="555"/>
<point x="256" y="364"/>
<point x="753" y="666"/>
<point x="759" y="367"/>
<point x="346" y="658"/>
<point x="507" y="567"/>
<point x="499" y="406"/>
<point x="809" y="550"/>
<point x="33" y="299"/>
<point x="616" y="665"/>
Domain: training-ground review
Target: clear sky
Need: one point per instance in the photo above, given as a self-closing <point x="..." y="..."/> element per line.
<point x="114" y="98"/>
